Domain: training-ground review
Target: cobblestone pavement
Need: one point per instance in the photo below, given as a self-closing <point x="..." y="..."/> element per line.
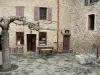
<point x="61" y="64"/>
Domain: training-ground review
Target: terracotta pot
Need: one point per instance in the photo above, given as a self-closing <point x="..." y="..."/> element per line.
<point x="59" y="51"/>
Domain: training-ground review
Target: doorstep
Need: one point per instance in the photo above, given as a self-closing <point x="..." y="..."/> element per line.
<point x="28" y="52"/>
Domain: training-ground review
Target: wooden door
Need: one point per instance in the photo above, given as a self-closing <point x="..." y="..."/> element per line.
<point x="31" y="42"/>
<point x="66" y="43"/>
<point x="34" y="43"/>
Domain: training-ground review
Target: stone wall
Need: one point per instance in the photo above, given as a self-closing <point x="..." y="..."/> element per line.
<point x="82" y="39"/>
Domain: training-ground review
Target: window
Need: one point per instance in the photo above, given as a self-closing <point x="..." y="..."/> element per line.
<point x="20" y="11"/>
<point x="89" y="2"/>
<point x="42" y="13"/>
<point x="42" y="38"/>
<point x="91" y="21"/>
<point x="20" y="38"/>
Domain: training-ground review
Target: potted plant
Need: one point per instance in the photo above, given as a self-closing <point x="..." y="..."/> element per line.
<point x="60" y="50"/>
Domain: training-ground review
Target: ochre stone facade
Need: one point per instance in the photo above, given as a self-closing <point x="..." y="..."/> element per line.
<point x="73" y="17"/>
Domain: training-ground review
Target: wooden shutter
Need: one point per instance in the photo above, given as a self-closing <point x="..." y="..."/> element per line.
<point x="86" y="2"/>
<point x="36" y="13"/>
<point x="49" y="14"/>
<point x="20" y="11"/>
<point x="17" y="11"/>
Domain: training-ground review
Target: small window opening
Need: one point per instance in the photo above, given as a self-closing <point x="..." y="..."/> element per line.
<point x="91" y="21"/>
<point x="66" y="31"/>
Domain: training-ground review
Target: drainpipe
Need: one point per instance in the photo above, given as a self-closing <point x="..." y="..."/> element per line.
<point x="58" y="16"/>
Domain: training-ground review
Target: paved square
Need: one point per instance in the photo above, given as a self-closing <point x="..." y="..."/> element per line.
<point x="61" y="64"/>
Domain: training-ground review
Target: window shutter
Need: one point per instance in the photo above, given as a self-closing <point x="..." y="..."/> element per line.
<point x="36" y="13"/>
<point x="17" y="11"/>
<point x="86" y="2"/>
<point x="20" y="11"/>
<point x="49" y="14"/>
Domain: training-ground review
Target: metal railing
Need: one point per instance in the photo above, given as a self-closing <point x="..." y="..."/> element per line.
<point x="17" y="50"/>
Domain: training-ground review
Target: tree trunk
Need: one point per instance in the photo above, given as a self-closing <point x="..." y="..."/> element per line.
<point x="5" y="50"/>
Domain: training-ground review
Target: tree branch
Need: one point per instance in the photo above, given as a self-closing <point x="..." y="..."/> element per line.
<point x="32" y="26"/>
<point x="12" y="19"/>
<point x="1" y="19"/>
<point x="1" y="25"/>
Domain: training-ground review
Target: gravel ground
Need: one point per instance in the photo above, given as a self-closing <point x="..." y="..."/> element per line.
<point x="61" y="64"/>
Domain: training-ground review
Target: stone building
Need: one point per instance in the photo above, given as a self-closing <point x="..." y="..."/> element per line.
<point x="78" y="28"/>
<point x="44" y="12"/>
<point x="81" y="17"/>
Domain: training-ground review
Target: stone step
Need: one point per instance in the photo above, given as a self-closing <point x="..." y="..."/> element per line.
<point x="65" y="51"/>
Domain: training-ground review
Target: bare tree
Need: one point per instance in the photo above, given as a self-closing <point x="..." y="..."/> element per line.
<point x="4" y="24"/>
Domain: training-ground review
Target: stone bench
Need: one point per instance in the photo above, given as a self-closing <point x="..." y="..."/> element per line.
<point x="85" y="58"/>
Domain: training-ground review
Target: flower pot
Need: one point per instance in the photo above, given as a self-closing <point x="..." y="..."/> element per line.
<point x="59" y="51"/>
